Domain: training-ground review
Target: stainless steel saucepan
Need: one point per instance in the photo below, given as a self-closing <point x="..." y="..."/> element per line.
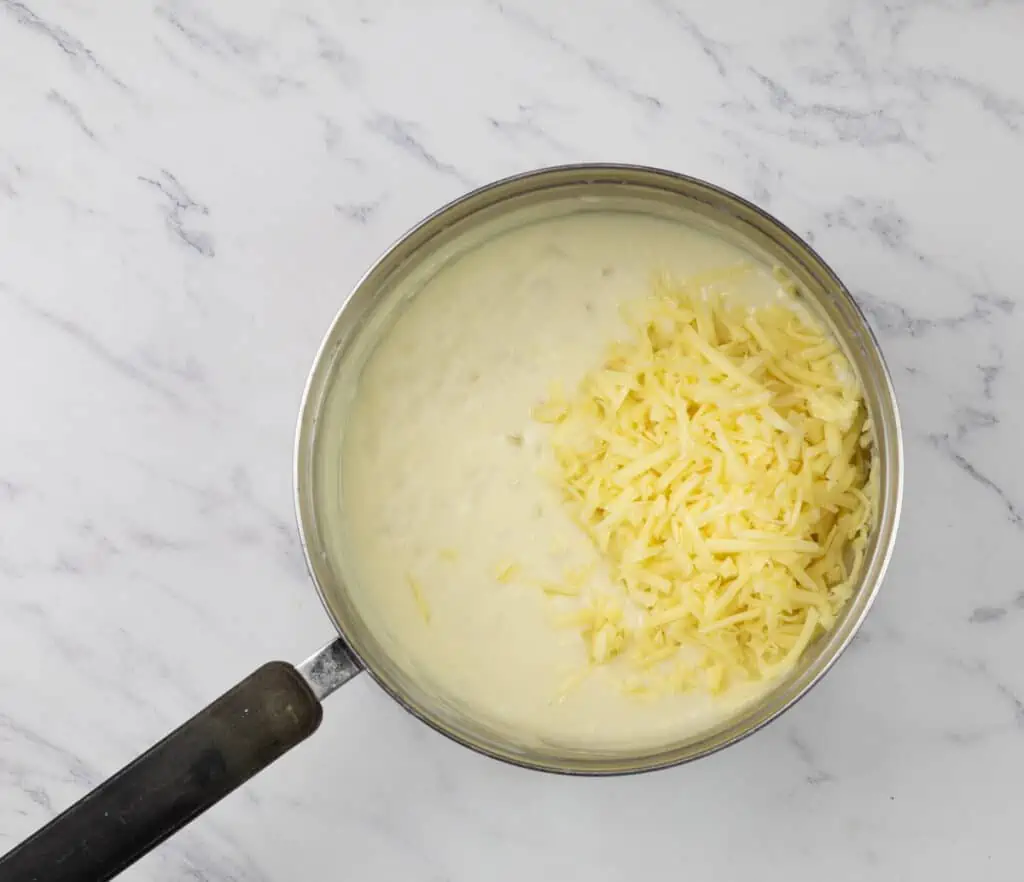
<point x="279" y="705"/>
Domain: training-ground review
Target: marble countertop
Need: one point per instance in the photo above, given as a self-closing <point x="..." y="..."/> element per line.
<point x="188" y="191"/>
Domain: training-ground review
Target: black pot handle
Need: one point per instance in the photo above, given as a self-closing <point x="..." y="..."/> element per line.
<point x="197" y="765"/>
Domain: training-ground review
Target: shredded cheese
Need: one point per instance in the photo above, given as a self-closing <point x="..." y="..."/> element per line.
<point x="417" y="595"/>
<point x="721" y="460"/>
<point x="506" y="571"/>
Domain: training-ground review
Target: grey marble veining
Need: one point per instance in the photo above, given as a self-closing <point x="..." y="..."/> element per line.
<point x="187" y="190"/>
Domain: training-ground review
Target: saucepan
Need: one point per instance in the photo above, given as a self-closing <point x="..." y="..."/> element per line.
<point x="279" y="705"/>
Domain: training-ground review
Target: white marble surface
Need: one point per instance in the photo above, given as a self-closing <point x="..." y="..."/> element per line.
<point x="187" y="191"/>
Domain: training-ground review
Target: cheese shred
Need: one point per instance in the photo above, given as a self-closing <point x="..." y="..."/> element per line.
<point x="721" y="461"/>
<point x="418" y="598"/>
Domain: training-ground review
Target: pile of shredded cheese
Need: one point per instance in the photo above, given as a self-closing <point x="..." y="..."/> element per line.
<point x="722" y="462"/>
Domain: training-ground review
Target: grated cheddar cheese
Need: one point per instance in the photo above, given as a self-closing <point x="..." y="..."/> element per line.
<point x="721" y="461"/>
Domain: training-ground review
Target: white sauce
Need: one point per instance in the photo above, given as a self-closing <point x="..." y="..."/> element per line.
<point x="431" y="463"/>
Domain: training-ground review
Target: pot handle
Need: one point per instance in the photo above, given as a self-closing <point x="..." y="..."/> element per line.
<point x="197" y="765"/>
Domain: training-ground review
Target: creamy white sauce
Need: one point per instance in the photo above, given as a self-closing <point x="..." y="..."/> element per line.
<point x="441" y="456"/>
